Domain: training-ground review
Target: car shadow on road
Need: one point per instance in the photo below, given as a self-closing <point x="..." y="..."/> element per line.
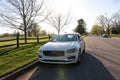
<point x="89" y="69"/>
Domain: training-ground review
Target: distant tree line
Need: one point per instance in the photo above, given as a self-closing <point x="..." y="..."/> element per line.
<point x="33" y="32"/>
<point x="107" y="25"/>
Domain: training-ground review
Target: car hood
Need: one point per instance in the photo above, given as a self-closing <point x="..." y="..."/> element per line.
<point x="59" y="45"/>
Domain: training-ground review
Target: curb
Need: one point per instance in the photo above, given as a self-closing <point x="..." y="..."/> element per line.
<point x="18" y="72"/>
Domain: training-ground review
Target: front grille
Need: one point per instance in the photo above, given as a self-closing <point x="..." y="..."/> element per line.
<point x="56" y="60"/>
<point x="53" y="53"/>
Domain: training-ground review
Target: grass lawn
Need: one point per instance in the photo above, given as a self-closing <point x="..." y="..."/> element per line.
<point x="12" y="58"/>
<point x="20" y="41"/>
<point x="7" y="38"/>
<point x="83" y="36"/>
<point x="114" y="35"/>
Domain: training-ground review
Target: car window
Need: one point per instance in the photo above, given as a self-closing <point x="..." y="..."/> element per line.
<point x="78" y="37"/>
<point x="65" y="37"/>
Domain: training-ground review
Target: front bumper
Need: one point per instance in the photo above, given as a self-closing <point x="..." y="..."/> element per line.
<point x="66" y="59"/>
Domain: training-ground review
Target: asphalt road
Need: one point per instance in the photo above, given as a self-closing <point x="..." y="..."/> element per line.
<point x="100" y="62"/>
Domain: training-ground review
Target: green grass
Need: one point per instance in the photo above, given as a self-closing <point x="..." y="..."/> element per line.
<point x="20" y="41"/>
<point x="83" y="36"/>
<point x="114" y="35"/>
<point x="7" y="38"/>
<point x="12" y="58"/>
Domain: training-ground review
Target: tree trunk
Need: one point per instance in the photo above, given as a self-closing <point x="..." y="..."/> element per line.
<point x="25" y="38"/>
<point x="17" y="40"/>
<point x="58" y="31"/>
<point x="108" y="31"/>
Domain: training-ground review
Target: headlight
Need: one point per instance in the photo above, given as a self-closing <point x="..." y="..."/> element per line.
<point x="72" y="50"/>
<point x="40" y="50"/>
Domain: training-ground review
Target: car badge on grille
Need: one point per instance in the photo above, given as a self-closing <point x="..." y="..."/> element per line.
<point x="53" y="52"/>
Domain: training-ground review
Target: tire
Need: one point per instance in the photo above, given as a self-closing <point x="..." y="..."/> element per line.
<point x="79" y="57"/>
<point x="83" y="51"/>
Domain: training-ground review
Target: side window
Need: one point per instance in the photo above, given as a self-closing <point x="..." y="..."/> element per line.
<point x="78" y="37"/>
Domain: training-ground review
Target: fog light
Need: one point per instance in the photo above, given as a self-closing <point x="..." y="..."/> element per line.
<point x="71" y="57"/>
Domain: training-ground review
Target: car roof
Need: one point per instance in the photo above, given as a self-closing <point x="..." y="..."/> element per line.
<point x="70" y="33"/>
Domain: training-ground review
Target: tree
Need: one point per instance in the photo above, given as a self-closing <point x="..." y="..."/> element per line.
<point x="105" y="22"/>
<point x="43" y="32"/>
<point x="6" y="35"/>
<point x="34" y="30"/>
<point x="96" y="30"/>
<point x="115" y="30"/>
<point x="20" y="14"/>
<point x="59" y="21"/>
<point x="116" y="22"/>
<point x="81" y="27"/>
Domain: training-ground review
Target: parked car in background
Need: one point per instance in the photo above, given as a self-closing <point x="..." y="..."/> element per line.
<point x="105" y="35"/>
<point x="63" y="49"/>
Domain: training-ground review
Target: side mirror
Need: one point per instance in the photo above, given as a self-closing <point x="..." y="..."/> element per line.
<point x="80" y="39"/>
<point x="50" y="40"/>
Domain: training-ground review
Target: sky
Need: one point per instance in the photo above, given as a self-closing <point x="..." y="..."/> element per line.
<point x="88" y="10"/>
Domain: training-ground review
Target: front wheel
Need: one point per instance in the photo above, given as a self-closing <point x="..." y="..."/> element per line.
<point x="83" y="52"/>
<point x="79" y="59"/>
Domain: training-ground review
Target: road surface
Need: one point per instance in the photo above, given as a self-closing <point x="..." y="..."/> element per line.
<point x="100" y="62"/>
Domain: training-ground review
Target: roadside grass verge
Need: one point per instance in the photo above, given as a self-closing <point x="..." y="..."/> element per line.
<point x="20" y="41"/>
<point x="7" y="38"/>
<point x="83" y="36"/>
<point x="12" y="58"/>
<point x="114" y="35"/>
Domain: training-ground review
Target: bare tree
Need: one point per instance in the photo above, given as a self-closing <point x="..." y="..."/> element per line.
<point x="116" y="21"/>
<point x="20" y="14"/>
<point x="105" y="22"/>
<point x="59" y="21"/>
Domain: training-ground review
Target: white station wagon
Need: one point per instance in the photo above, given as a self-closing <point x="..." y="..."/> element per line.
<point x="63" y="49"/>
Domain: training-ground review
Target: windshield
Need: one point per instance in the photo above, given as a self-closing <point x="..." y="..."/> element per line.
<point x="65" y="37"/>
